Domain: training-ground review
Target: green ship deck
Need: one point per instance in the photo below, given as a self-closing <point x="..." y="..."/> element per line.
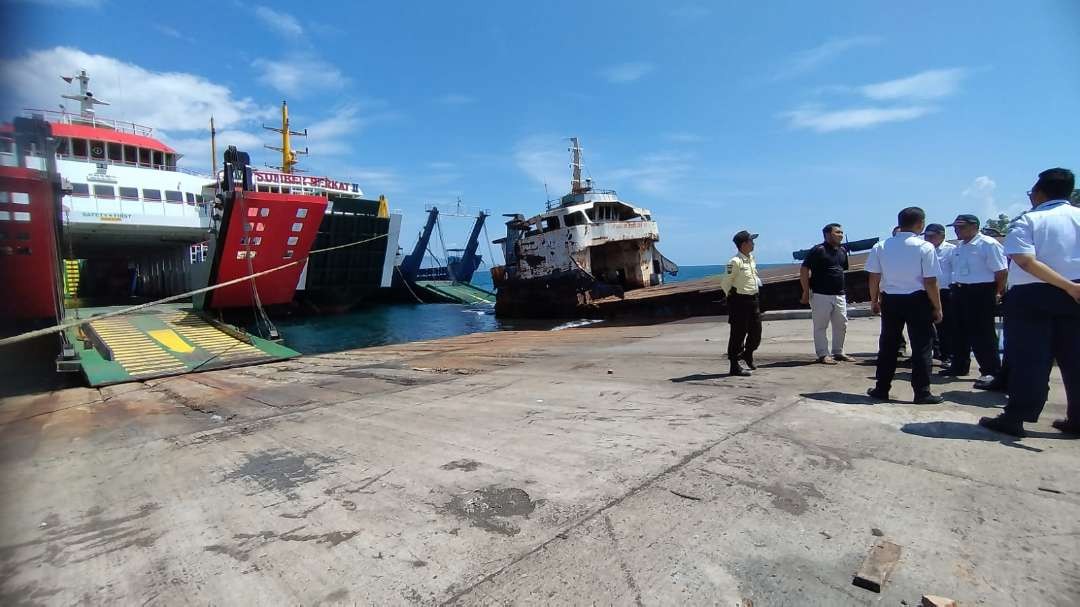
<point x="162" y="341"/>
<point x="456" y="292"/>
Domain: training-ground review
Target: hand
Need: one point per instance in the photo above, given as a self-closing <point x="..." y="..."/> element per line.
<point x="1074" y="291"/>
<point x="936" y="315"/>
<point x="805" y="299"/>
<point x="875" y="307"/>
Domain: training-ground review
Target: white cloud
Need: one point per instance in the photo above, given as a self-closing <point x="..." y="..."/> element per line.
<point x="196" y="148"/>
<point x="544" y="159"/>
<point x="655" y="174"/>
<point x="374" y="180"/>
<point x="454" y="99"/>
<point x="173" y="33"/>
<point x="825" y="121"/>
<point x="930" y="84"/>
<point x="627" y="72"/>
<point x="683" y="137"/>
<point x="281" y="23"/>
<point x="982" y="194"/>
<point x="300" y="75"/>
<point x="171" y="101"/>
<point x="811" y="59"/>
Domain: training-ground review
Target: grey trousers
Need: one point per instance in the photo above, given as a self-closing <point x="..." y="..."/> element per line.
<point x="825" y="309"/>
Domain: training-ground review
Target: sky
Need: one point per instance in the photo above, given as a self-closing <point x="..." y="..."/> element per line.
<point x="776" y="117"/>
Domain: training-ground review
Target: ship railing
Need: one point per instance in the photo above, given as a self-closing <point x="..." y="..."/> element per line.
<point x="125" y="209"/>
<point x="120" y="126"/>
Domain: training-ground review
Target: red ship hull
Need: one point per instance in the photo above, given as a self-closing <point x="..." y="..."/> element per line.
<point x="29" y="256"/>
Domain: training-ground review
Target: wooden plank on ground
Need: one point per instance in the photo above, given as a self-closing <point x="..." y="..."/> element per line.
<point x="877" y="566"/>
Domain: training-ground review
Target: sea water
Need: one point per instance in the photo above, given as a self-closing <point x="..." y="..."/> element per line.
<point x="379" y="325"/>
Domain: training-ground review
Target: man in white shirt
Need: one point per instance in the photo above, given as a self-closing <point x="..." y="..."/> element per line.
<point x="979" y="274"/>
<point x="904" y="274"/>
<point x="944" y="330"/>
<point x="1042" y="311"/>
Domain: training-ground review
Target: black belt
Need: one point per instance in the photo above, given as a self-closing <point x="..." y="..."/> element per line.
<point x="972" y="285"/>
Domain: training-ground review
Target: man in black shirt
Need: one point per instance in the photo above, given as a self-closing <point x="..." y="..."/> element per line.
<point x="822" y="279"/>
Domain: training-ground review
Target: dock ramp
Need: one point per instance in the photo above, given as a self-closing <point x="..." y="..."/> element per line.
<point x="455" y="292"/>
<point x="161" y="342"/>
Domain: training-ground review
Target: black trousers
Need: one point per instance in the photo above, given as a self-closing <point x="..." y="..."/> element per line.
<point x="944" y="331"/>
<point x="744" y="316"/>
<point x="975" y="307"/>
<point x="911" y="311"/>
<point x="1042" y="325"/>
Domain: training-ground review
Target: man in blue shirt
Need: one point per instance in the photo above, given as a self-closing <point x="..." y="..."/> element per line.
<point x="1042" y="311"/>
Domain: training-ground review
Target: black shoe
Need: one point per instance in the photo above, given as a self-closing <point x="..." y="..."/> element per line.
<point x="749" y="360"/>
<point x="738" y="371"/>
<point x="951" y="372"/>
<point x="996" y="385"/>
<point x="1066" y="426"/>
<point x="1004" y="425"/>
<point x="928" y="399"/>
<point x="876" y="394"/>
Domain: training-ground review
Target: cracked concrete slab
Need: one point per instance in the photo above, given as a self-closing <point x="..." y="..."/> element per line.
<point x="512" y="468"/>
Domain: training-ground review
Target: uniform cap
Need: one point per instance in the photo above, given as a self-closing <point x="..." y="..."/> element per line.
<point x="965" y="220"/>
<point x="743" y="236"/>
<point x="934" y="228"/>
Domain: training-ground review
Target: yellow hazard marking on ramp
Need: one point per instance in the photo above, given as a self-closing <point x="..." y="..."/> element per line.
<point x="172" y="341"/>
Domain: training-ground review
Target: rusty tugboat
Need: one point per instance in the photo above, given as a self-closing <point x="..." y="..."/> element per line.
<point x="587" y="246"/>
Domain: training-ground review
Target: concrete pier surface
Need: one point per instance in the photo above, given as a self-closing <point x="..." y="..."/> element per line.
<point x="598" y="466"/>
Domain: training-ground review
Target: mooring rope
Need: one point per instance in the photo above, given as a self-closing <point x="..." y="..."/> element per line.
<point x="7" y="341"/>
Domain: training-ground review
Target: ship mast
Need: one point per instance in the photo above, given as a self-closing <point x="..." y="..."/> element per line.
<point x="288" y="155"/>
<point x="86" y="99"/>
<point x="575" y="165"/>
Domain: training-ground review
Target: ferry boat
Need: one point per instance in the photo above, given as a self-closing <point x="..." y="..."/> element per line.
<point x="587" y="245"/>
<point x="135" y="225"/>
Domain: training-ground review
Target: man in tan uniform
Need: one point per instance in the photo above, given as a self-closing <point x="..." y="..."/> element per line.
<point x="740" y="284"/>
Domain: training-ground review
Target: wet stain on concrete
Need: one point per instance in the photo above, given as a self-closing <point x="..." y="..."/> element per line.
<point x="247" y="542"/>
<point x="93" y="536"/>
<point x="281" y="471"/>
<point x="465" y="465"/>
<point x="490" y="509"/>
<point x="791" y="498"/>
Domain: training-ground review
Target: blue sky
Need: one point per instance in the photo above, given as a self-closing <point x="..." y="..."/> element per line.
<point x="776" y="117"/>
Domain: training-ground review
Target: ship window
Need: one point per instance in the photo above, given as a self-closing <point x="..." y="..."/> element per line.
<point x="253" y="212"/>
<point x="104" y="191"/>
<point x="264" y="188"/>
<point x="20" y="216"/>
<point x="575" y="219"/>
<point x="301" y="213"/>
<point x="264" y="212"/>
<point x="256" y="241"/>
<point x="174" y="196"/>
<point x="296" y="227"/>
<point x="158" y="158"/>
<point x="189" y="197"/>
<point x="5" y="216"/>
<point x="144" y="156"/>
<point x="288" y="254"/>
<point x="259" y="227"/>
<point x="551" y="223"/>
<point x="78" y="147"/>
<point x="80" y="189"/>
<point x="20" y="198"/>
<point x="591" y="214"/>
<point x="22" y="250"/>
<point x="97" y="150"/>
<point x="130" y="155"/>
<point x="129" y="193"/>
<point x="293" y="240"/>
<point x="22" y="236"/>
<point x="170" y="160"/>
<point x="241" y="254"/>
<point x="115" y="152"/>
<point x="151" y="194"/>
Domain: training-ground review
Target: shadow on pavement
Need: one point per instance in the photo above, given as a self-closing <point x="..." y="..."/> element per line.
<point x="977" y="398"/>
<point x="841" y="398"/>
<point x="966" y="431"/>
<point x="698" y="377"/>
<point x="788" y="363"/>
